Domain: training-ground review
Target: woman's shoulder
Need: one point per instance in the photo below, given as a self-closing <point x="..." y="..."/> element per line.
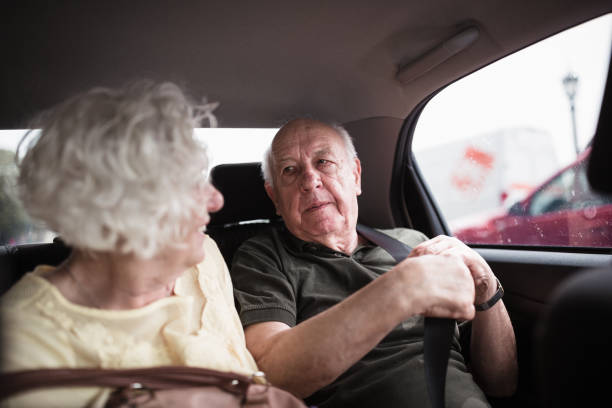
<point x="29" y="337"/>
<point x="213" y="259"/>
<point x="27" y="290"/>
<point x="212" y="271"/>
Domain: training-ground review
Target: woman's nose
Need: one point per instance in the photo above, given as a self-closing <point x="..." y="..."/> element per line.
<point x="215" y="200"/>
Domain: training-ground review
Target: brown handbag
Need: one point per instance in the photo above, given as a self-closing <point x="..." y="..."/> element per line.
<point x="171" y="386"/>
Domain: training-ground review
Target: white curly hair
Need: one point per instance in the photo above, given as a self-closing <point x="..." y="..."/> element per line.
<point x="267" y="164"/>
<point x="116" y="169"/>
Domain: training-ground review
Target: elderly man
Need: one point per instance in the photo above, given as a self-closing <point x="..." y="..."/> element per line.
<point x="331" y="317"/>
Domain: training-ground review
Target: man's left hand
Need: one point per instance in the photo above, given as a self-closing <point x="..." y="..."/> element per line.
<point x="484" y="279"/>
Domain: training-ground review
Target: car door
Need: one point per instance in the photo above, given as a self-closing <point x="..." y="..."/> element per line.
<point x="576" y="229"/>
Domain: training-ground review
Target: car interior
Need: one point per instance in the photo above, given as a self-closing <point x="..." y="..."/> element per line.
<point x="576" y="309"/>
<point x="370" y="66"/>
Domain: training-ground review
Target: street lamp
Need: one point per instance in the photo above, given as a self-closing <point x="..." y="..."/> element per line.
<point x="570" y="83"/>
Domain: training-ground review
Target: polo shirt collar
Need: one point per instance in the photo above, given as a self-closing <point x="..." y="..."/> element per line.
<point x="299" y="245"/>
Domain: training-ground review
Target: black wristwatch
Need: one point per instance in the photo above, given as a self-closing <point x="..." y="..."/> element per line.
<point x="489" y="303"/>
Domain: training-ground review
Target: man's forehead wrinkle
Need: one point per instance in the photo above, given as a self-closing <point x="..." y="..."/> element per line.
<point x="303" y="127"/>
<point x="285" y="160"/>
<point x="286" y="153"/>
<point x="291" y="141"/>
<point x="296" y="152"/>
<point x="325" y="150"/>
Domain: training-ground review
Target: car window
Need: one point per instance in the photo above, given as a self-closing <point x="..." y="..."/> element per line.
<point x="555" y="196"/>
<point x="224" y="146"/>
<point x="569" y="190"/>
<point x="512" y="145"/>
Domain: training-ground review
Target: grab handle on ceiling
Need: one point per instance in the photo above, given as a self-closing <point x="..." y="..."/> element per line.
<point x="437" y="55"/>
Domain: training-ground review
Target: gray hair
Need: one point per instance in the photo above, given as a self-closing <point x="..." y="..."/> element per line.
<point x="267" y="163"/>
<point x="116" y="169"/>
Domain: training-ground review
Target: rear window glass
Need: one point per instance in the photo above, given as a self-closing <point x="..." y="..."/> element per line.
<point x="504" y="150"/>
<point x="224" y="146"/>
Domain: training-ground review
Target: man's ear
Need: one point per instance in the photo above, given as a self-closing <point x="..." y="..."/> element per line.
<point x="357" y="175"/>
<point x="270" y="192"/>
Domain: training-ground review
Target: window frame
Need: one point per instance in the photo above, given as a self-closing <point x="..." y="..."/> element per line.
<point x="414" y="204"/>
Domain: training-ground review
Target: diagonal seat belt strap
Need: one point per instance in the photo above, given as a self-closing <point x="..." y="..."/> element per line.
<point x="438" y="332"/>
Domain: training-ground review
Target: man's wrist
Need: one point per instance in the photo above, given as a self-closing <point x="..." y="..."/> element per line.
<point x="486" y="287"/>
<point x="499" y="293"/>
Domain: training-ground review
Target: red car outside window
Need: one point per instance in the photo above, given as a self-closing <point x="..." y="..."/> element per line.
<point x="563" y="211"/>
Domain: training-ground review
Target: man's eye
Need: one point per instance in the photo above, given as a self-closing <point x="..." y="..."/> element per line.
<point x="325" y="165"/>
<point x="288" y="170"/>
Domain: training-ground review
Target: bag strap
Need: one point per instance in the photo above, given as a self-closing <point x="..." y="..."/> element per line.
<point x="157" y="378"/>
<point x="438" y="331"/>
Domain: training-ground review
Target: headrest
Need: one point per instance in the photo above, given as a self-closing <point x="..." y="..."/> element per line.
<point x="599" y="170"/>
<point x="243" y="190"/>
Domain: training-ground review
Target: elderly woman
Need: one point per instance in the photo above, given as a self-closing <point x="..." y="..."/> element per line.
<point x="119" y="175"/>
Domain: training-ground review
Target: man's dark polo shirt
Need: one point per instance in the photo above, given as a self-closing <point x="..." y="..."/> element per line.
<point x="278" y="277"/>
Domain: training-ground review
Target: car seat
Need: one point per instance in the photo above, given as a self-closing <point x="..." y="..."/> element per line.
<point x="574" y="355"/>
<point x="246" y="212"/>
<point x="575" y="335"/>
<point x="247" y="209"/>
<point x="16" y="260"/>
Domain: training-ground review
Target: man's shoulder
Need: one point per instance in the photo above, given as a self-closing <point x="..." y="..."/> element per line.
<point x="269" y="242"/>
<point x="265" y="237"/>
<point x="408" y="236"/>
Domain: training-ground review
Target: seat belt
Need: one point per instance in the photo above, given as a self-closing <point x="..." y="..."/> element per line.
<point x="438" y="331"/>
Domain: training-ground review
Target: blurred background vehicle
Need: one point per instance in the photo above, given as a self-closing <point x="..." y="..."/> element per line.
<point x="563" y="211"/>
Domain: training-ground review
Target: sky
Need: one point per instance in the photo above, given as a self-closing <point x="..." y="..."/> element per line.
<point x="531" y="95"/>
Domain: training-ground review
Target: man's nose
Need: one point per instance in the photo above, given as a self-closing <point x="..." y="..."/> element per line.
<point x="215" y="200"/>
<point x="310" y="180"/>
